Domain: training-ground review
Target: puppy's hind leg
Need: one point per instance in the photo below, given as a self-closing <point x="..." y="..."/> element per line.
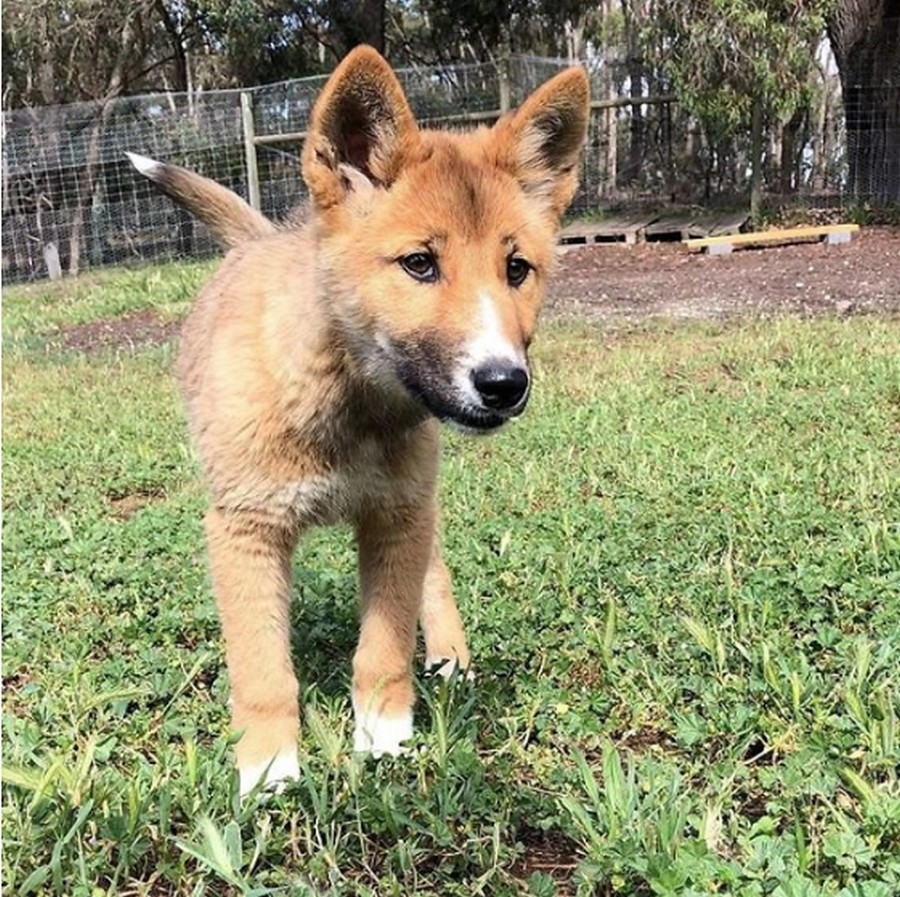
<point x="250" y="560"/>
<point x="445" y="640"/>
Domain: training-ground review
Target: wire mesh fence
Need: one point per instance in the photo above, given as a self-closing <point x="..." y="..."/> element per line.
<point x="70" y="192"/>
<point x="71" y="201"/>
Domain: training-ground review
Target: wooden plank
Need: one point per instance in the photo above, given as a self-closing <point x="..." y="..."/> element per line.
<point x="712" y="224"/>
<point x="781" y="235"/>
<point x="623" y="229"/>
<point x="730" y="223"/>
<point x="608" y="232"/>
<point x="702" y="225"/>
<point x="669" y="227"/>
<point x="578" y="232"/>
<point x="630" y="226"/>
<point x="485" y="115"/>
<point x="286" y="137"/>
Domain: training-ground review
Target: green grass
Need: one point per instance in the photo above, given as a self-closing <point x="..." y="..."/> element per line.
<point x="680" y="575"/>
<point x="40" y="309"/>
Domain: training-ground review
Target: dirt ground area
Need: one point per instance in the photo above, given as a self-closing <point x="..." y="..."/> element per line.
<point x="135" y="330"/>
<point x="622" y="285"/>
<point x="626" y="284"/>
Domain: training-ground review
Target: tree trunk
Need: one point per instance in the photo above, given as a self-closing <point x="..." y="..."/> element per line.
<point x="865" y="37"/>
<point x="182" y="84"/>
<point x="756" y="158"/>
<point x="612" y="138"/>
<point x="635" y="62"/>
<point x="86" y="188"/>
<point x="772" y="170"/>
<point x="177" y="43"/>
<point x="114" y="89"/>
<point x="821" y="143"/>
<point x="637" y="142"/>
<point x="788" y="174"/>
<point x="574" y="31"/>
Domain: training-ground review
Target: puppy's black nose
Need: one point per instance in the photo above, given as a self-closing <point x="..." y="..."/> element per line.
<point x="501" y="385"/>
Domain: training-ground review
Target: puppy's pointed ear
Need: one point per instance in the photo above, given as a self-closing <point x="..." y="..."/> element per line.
<point x="360" y="126"/>
<point x="540" y="143"/>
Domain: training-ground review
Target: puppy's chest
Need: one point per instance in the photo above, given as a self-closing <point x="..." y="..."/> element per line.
<point x="342" y="492"/>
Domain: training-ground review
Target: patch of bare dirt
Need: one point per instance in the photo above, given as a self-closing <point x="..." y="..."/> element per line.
<point x="551" y="853"/>
<point x="128" y="504"/>
<point x="627" y="284"/>
<point x="136" y="330"/>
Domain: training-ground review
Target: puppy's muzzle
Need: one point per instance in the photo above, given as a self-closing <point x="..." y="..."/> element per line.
<point x="502" y="386"/>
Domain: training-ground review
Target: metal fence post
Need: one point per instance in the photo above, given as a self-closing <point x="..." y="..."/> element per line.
<point x="250" y="148"/>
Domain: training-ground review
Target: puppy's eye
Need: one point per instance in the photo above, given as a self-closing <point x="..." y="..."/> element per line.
<point x="517" y="270"/>
<point x="421" y="266"/>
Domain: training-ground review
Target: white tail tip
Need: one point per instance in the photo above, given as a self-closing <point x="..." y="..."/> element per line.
<point x="144" y="164"/>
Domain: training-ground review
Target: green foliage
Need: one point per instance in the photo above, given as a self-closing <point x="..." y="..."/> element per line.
<point x="723" y="56"/>
<point x="679" y="573"/>
<point x="251" y="42"/>
<point x="490" y="27"/>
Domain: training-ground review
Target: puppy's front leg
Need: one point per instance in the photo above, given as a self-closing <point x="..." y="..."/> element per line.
<point x="394" y="553"/>
<point x="250" y="561"/>
<point x="445" y="640"/>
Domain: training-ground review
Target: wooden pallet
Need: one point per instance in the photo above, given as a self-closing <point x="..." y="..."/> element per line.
<point x="621" y="229"/>
<point x="724" y="244"/>
<point x="683" y="226"/>
<point x="653" y="227"/>
<point x="716" y="224"/>
<point x="669" y="228"/>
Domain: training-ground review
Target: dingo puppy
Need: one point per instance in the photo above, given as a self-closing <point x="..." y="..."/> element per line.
<point x="318" y="361"/>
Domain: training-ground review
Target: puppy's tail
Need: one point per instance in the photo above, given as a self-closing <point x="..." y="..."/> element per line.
<point x="230" y="220"/>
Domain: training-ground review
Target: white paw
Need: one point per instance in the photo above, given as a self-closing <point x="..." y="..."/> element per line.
<point x="446" y="667"/>
<point x="378" y="735"/>
<point x="272" y="775"/>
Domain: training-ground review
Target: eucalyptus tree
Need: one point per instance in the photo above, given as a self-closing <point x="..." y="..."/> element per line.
<point x="735" y="62"/>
